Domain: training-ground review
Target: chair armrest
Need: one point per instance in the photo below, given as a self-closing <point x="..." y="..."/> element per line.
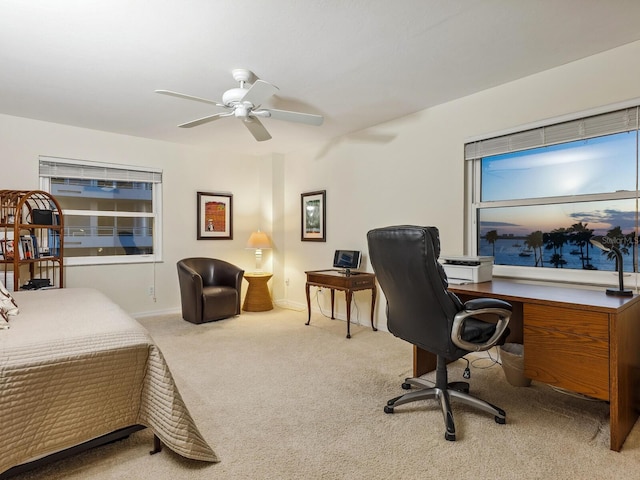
<point x="191" y="279"/>
<point x="228" y="274"/>
<point x="481" y="306"/>
<point x="481" y="303"/>
<point x="191" y="286"/>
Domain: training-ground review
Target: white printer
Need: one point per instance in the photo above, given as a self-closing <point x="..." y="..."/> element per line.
<point x="465" y="269"/>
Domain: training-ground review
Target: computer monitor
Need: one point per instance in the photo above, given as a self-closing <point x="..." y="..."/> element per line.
<point x="346" y="259"/>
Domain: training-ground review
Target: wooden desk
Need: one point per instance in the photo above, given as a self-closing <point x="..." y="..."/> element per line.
<point x="336" y="280"/>
<point x="258" y="298"/>
<point x="580" y="340"/>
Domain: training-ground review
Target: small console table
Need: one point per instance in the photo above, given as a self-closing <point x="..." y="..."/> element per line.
<point x="348" y="282"/>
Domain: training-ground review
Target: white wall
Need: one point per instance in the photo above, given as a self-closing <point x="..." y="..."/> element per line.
<point x="417" y="177"/>
<point x="185" y="172"/>
<point x="405" y="171"/>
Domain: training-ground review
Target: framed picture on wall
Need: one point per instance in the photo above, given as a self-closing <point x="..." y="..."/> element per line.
<point x="215" y="216"/>
<point x="313" y="222"/>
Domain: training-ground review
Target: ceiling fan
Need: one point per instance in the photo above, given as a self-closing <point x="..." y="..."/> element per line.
<point x="246" y="104"/>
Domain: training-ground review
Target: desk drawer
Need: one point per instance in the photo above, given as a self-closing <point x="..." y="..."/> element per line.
<point x="363" y="282"/>
<point x="567" y="348"/>
<point x="568" y="320"/>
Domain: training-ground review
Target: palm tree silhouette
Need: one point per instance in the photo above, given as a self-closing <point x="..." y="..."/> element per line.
<point x="580" y="236"/>
<point x="555" y="240"/>
<point x="534" y="241"/>
<point x="491" y="237"/>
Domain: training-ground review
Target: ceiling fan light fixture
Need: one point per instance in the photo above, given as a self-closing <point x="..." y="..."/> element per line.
<point x="241" y="111"/>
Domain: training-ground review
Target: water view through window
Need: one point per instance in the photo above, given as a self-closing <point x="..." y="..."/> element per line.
<point x="539" y="207"/>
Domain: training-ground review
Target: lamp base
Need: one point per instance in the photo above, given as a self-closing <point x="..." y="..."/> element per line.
<point x="619" y="293"/>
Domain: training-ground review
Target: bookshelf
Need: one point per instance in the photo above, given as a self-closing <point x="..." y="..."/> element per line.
<point x="31" y="239"/>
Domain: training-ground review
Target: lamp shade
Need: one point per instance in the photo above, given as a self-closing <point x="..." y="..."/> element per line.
<point x="258" y="240"/>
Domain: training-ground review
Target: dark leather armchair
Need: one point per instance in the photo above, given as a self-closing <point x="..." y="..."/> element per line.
<point x="209" y="289"/>
<point x="423" y="312"/>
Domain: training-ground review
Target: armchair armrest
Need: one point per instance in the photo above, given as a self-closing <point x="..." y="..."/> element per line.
<point x="231" y="276"/>
<point x="228" y="274"/>
<point x="191" y="279"/>
<point x="191" y="287"/>
<point x="481" y="306"/>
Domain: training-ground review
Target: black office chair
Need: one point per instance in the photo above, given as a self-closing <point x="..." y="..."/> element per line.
<point x="423" y="312"/>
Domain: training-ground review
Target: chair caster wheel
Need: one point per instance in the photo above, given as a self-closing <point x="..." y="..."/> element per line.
<point x="406" y="386"/>
<point x="501" y="420"/>
<point x="450" y="437"/>
<point x="388" y="409"/>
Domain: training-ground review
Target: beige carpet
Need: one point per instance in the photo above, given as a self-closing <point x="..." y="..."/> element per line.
<point x="280" y="400"/>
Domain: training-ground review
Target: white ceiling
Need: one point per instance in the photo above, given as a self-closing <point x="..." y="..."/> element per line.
<point x="359" y="63"/>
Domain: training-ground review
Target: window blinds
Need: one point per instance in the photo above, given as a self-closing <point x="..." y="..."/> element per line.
<point x="618" y="121"/>
<point x="53" y="167"/>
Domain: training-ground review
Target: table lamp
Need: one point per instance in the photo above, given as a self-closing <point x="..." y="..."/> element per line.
<point x="607" y="244"/>
<point x="258" y="240"/>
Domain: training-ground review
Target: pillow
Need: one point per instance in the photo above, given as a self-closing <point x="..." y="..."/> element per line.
<point x="7" y="303"/>
<point x="4" y="319"/>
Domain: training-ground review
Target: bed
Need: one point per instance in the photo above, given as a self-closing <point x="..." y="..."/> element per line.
<point x="75" y="367"/>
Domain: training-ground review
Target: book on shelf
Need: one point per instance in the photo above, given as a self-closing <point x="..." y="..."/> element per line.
<point x="8" y="248"/>
<point x="28" y="250"/>
<point x="36" y="249"/>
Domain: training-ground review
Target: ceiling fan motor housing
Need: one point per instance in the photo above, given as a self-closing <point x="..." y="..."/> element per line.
<point x="233" y="96"/>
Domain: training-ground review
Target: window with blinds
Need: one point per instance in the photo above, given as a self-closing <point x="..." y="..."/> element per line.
<point x="538" y="196"/>
<point x="112" y="212"/>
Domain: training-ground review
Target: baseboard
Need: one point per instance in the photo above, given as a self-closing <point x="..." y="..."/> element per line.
<point x="155" y="313"/>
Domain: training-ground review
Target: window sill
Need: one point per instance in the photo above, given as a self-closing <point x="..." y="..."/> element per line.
<point x="111" y="260"/>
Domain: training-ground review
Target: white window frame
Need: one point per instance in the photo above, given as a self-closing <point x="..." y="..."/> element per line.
<point x="473" y="204"/>
<point x="93" y="172"/>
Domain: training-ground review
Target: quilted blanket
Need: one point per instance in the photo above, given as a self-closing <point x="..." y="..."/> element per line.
<point x="73" y="367"/>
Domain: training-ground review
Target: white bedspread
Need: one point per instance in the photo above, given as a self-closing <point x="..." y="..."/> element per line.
<point x="74" y="366"/>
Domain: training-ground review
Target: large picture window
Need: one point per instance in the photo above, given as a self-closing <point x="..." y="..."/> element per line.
<point x="111" y="212"/>
<point x="538" y="196"/>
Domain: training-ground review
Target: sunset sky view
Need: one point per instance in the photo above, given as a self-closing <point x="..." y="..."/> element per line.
<point x="600" y="165"/>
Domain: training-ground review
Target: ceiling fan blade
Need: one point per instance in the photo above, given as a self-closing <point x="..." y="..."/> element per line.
<point x="259" y="92"/>
<point x="308" y="118"/>
<point x="256" y="128"/>
<point x="200" y="121"/>
<point x="189" y="97"/>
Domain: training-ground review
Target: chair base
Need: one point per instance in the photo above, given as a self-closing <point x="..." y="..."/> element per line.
<point x="443" y="391"/>
<point x="424" y="383"/>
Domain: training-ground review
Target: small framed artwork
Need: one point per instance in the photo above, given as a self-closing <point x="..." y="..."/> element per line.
<point x="313" y="222"/>
<point x="215" y="216"/>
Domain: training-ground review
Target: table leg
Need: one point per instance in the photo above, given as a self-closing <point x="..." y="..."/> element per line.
<point x="373" y="304"/>
<point x="333" y="294"/>
<point x="306" y="287"/>
<point x="348" y="296"/>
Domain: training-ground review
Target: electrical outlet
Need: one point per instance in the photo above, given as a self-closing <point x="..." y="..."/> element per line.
<point x="151" y="291"/>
